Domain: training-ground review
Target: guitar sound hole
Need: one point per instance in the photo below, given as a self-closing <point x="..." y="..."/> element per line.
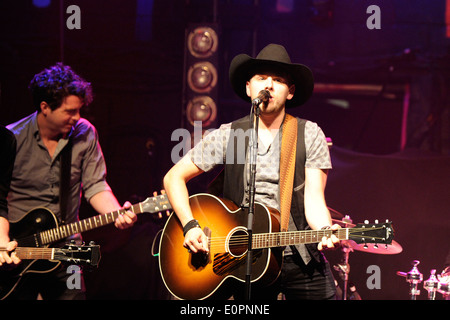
<point x="237" y="242"/>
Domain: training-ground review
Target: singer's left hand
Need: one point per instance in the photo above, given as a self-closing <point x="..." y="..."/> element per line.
<point x="330" y="242"/>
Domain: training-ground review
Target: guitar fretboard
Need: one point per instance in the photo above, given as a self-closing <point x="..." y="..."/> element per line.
<point x="24" y="253"/>
<point x="281" y="239"/>
<point x="151" y="205"/>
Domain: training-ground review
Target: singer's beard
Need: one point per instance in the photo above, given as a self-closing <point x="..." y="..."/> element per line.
<point x="271" y="107"/>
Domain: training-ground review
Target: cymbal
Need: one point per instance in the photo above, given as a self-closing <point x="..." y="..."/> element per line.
<point x="335" y="214"/>
<point x="393" y="248"/>
<point x="343" y="223"/>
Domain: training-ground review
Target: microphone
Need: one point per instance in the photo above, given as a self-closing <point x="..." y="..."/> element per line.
<point x="263" y="96"/>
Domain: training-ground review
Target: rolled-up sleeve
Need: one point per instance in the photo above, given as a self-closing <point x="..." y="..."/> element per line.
<point x="92" y="163"/>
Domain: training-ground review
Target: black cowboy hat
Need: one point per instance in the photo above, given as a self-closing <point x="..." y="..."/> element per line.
<point x="242" y="68"/>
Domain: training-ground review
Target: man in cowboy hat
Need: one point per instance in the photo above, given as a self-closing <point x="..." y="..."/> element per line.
<point x="305" y="273"/>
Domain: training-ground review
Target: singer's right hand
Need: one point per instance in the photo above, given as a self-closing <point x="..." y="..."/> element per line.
<point x="196" y="241"/>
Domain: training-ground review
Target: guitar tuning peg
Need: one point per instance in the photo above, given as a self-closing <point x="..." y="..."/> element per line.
<point x="375" y="246"/>
<point x="366" y="221"/>
<point x="366" y="246"/>
<point x="376" y="221"/>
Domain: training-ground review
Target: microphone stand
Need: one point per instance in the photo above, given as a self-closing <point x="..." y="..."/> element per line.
<point x="253" y="152"/>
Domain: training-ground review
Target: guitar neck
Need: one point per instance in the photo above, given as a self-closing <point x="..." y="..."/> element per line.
<point x="25" y="253"/>
<point x="281" y="239"/>
<point x="151" y="205"/>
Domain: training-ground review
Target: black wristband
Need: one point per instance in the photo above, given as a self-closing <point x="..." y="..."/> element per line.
<point x="191" y="224"/>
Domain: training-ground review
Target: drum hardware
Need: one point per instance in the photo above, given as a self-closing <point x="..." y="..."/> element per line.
<point x="413" y="277"/>
<point x="349" y="246"/>
<point x="344" y="267"/>
<point x="431" y="285"/>
<point x="444" y="283"/>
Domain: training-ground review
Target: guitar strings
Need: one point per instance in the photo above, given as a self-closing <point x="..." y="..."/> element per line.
<point x="24" y="249"/>
<point x="31" y="252"/>
<point x="312" y="236"/>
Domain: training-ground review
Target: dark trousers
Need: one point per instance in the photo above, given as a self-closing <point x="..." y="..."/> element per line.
<point x="306" y="282"/>
<point x="297" y="281"/>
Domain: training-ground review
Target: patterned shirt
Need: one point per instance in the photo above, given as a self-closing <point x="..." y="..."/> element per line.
<point x="211" y="151"/>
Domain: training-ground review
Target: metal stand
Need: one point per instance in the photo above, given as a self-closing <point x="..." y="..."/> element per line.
<point x="444" y="283"/>
<point x="253" y="149"/>
<point x="431" y="285"/>
<point x="413" y="277"/>
<point x="344" y="267"/>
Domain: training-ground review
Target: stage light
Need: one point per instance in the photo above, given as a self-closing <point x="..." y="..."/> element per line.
<point x="202" y="77"/>
<point x="200" y="89"/>
<point x="202" y="42"/>
<point x="203" y="109"/>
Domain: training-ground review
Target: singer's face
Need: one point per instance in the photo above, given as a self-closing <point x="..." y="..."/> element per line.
<point x="276" y="84"/>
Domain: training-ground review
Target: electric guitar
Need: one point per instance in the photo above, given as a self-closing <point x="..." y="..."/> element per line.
<point x="197" y="276"/>
<point x="10" y="276"/>
<point x="40" y="228"/>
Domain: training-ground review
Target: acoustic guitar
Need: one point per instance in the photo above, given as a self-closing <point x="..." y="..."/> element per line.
<point x="197" y="276"/>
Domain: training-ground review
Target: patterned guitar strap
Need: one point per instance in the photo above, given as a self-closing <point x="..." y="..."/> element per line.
<point x="287" y="168"/>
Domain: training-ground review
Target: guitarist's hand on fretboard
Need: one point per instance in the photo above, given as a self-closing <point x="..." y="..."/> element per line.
<point x="127" y="219"/>
<point x="6" y="257"/>
<point x="330" y="242"/>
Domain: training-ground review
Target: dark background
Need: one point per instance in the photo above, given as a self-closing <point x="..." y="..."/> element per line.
<point x="381" y="96"/>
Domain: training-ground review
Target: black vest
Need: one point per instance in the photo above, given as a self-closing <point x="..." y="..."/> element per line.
<point x="233" y="176"/>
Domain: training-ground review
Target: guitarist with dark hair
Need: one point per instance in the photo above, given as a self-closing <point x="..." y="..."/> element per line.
<point x="58" y="156"/>
<point x="277" y="84"/>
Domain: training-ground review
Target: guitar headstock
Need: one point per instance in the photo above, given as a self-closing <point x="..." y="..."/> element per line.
<point x="79" y="254"/>
<point x="379" y="233"/>
<point x="156" y="204"/>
